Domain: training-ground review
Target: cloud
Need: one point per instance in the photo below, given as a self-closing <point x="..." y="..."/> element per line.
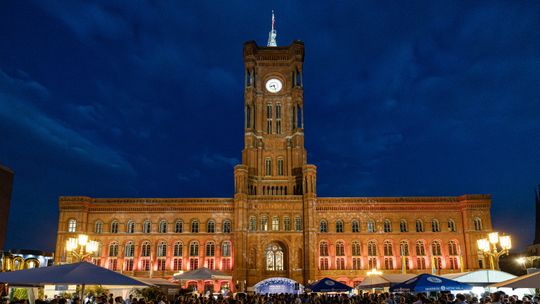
<point x="24" y="118"/>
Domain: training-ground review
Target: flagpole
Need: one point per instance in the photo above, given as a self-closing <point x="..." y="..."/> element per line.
<point x="433" y="269"/>
<point x="462" y="267"/>
<point x="403" y="265"/>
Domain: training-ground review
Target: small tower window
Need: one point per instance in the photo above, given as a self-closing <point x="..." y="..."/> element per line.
<point x="278" y="118"/>
<point x="268" y="167"/>
<point x="280" y="167"/>
<point x="248" y="117"/>
<point x="269" y="119"/>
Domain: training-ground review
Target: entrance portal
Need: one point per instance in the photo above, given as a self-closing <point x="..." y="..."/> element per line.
<point x="278" y="285"/>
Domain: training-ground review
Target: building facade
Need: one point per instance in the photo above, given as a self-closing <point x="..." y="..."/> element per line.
<point x="6" y="186"/>
<point x="276" y="225"/>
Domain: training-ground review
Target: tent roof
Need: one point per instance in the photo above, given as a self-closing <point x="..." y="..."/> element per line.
<point x="426" y="282"/>
<point x="526" y="281"/>
<point x="480" y="277"/>
<point x="383" y="280"/>
<point x="203" y="274"/>
<point x="329" y="285"/>
<point x="77" y="273"/>
<point x="157" y="282"/>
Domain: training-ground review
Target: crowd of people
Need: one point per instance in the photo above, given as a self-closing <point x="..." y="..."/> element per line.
<point x="241" y="298"/>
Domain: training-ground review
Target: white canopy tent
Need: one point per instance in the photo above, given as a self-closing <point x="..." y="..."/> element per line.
<point x="484" y="280"/>
<point x="383" y="280"/>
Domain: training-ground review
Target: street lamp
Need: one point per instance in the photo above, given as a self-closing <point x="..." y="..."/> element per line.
<point x="80" y="247"/>
<point x="494" y="246"/>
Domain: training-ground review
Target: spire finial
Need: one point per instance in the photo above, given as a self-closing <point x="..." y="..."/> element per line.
<point x="272" y="35"/>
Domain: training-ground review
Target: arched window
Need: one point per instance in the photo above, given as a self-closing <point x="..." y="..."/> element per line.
<point x="420" y="248"/>
<point x="274" y="258"/>
<point x="355" y="226"/>
<point x="403" y="226"/>
<point x="387" y="246"/>
<point x="114" y="227"/>
<point x="339" y="226"/>
<point x="210" y="248"/>
<point x="387" y="226"/>
<point x="451" y="225"/>
<point x="162" y="249"/>
<point x="145" y="249"/>
<point x="178" y="249"/>
<point x="372" y="248"/>
<point x="130" y="249"/>
<point x="72" y="225"/>
<point x="371" y="226"/>
<point x="356" y="248"/>
<point x="227" y="226"/>
<point x="477" y="224"/>
<point x="340" y="248"/>
<point x="404" y="248"/>
<point x="275" y="223"/>
<point x="211" y="226"/>
<point x="435" y="226"/>
<point x="178" y="226"/>
<point x="194" y="226"/>
<point x="162" y="226"/>
<point x="323" y="226"/>
<point x="113" y="249"/>
<point x="226" y="249"/>
<point x="98" y="227"/>
<point x="419" y="226"/>
<point x="252" y="223"/>
<point x="264" y="223"/>
<point x="436" y="248"/>
<point x="323" y="248"/>
<point x="131" y="226"/>
<point x="146" y="226"/>
<point x="194" y="249"/>
<point x="452" y="248"/>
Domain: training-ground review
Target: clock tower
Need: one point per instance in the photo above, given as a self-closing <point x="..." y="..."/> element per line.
<point x="274" y="173"/>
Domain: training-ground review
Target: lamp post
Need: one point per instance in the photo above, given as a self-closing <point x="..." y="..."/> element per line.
<point x="494" y="246"/>
<point x="80" y="247"/>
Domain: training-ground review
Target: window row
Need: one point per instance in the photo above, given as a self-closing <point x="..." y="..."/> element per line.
<point x="269" y="170"/>
<point x="388" y="263"/>
<point x="388" y="227"/>
<point x="176" y="250"/>
<point x="275" y="224"/>
<point x="388" y="250"/>
<point x="163" y="227"/>
<point x="162" y="264"/>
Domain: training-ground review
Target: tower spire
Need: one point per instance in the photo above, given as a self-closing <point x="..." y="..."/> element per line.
<point x="272" y="34"/>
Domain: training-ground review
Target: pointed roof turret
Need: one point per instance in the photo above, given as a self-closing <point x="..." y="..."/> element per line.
<point x="272" y="34"/>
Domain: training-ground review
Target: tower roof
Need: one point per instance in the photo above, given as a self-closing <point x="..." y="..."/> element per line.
<point x="272" y="34"/>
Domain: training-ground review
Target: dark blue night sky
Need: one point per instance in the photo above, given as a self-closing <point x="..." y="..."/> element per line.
<point x="145" y="99"/>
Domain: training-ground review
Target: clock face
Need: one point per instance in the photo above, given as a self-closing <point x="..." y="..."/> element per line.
<point x="273" y="85"/>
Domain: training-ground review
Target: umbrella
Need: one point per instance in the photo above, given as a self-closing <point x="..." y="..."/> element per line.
<point x="427" y="282"/>
<point x="329" y="285"/>
<point x="202" y="273"/>
<point x="526" y="281"/>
